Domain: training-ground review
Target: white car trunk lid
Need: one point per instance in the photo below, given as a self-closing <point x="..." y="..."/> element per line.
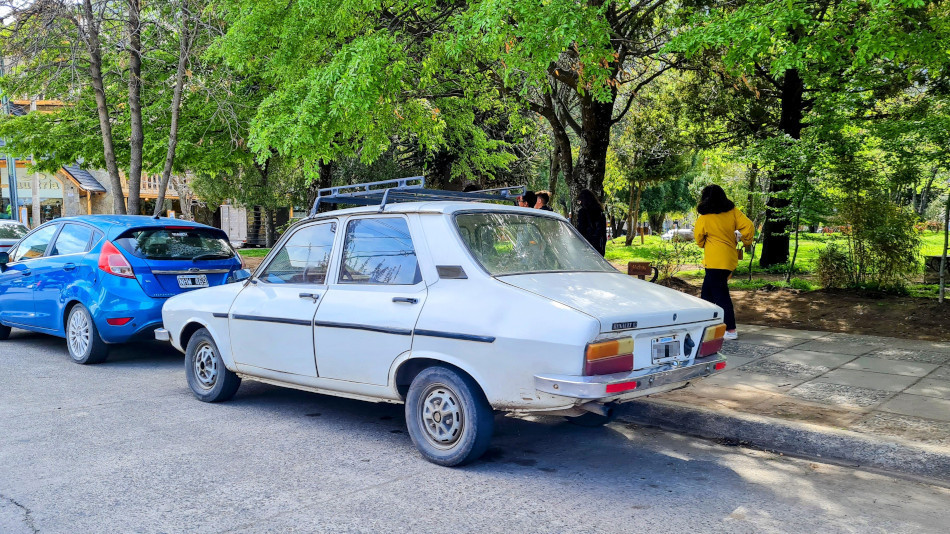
<point x="618" y="301"/>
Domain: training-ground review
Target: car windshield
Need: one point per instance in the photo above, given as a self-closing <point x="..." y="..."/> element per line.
<point x="12" y="231"/>
<point x="512" y="243"/>
<point x="177" y="243"/>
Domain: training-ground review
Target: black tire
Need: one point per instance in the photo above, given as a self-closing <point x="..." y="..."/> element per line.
<point x="468" y="435"/>
<point x="592" y="420"/>
<point x="4" y="332"/>
<point x="208" y="378"/>
<point x="82" y="337"/>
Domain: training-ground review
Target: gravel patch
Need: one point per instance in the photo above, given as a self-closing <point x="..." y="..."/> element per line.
<point x="786" y="369"/>
<point x="911" y="355"/>
<point x="748" y="350"/>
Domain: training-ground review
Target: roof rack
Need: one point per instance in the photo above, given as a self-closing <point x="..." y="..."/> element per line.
<point x="405" y="190"/>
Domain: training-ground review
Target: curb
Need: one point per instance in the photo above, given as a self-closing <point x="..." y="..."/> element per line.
<point x="793" y="438"/>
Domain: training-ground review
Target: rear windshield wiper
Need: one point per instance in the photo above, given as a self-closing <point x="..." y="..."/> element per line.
<point x="212" y="256"/>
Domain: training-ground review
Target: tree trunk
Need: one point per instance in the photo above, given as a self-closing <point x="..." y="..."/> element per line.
<point x="184" y="46"/>
<point x="946" y="241"/>
<point x="592" y="153"/>
<point x="137" y="138"/>
<point x="925" y="194"/>
<point x="553" y="170"/>
<point x="775" y="239"/>
<point x="105" y="124"/>
<point x="323" y="181"/>
<point x="268" y="227"/>
<point x="35" y="190"/>
<point x="633" y="212"/>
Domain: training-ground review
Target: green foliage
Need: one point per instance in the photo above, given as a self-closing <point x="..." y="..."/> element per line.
<point x="833" y="267"/>
<point x="673" y="255"/>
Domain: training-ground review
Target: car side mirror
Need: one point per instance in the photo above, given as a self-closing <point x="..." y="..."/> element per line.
<point x="4" y="259"/>
<point x="239" y="276"/>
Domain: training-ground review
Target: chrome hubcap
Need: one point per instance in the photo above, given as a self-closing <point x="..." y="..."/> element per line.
<point x="442" y="416"/>
<point x="206" y="366"/>
<point x="78" y="334"/>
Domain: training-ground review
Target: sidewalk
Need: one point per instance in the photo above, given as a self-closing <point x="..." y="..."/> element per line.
<point x="822" y="394"/>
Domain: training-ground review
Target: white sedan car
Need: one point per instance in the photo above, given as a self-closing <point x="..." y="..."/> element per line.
<point x="456" y="309"/>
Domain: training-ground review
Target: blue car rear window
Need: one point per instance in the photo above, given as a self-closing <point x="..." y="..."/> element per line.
<point x="177" y="244"/>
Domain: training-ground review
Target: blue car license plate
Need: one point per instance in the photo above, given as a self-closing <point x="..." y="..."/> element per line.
<point x="189" y="281"/>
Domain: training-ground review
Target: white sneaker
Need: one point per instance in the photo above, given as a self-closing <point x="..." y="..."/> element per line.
<point x="731" y="335"/>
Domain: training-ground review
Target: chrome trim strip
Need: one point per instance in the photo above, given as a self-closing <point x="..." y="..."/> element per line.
<point x="380" y="329"/>
<point x="454" y="335"/>
<point x="202" y="271"/>
<point x="595" y="387"/>
<point x="280" y="320"/>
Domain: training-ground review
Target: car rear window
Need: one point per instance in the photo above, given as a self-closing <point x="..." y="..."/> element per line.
<point x="177" y="244"/>
<point x="12" y="231"/>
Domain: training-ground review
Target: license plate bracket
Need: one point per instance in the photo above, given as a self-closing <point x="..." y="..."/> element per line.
<point x="192" y="281"/>
<point x="666" y="349"/>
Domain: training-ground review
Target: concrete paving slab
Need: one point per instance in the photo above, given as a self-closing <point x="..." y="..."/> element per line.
<point x="744" y="378"/>
<point x="737" y="361"/>
<point x="813" y="358"/>
<point x="748" y="350"/>
<point x="771" y="341"/>
<point x="839" y="395"/>
<point x="910" y="355"/>
<point x="749" y="328"/>
<point x="916" y="344"/>
<point x="798" y="334"/>
<point x="837" y="347"/>
<point x="918" y="406"/>
<point x="929" y="387"/>
<point x="867" y="379"/>
<point x="940" y="373"/>
<point x="877" y="365"/>
<point x="781" y="368"/>
<point x="858" y="339"/>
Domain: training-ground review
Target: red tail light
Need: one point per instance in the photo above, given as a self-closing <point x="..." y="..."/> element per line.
<point x="113" y="262"/>
<point x="119" y="321"/>
<point x="608" y="357"/>
<point x="712" y="340"/>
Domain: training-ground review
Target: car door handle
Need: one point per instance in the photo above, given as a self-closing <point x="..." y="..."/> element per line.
<point x="407" y="300"/>
<point x="313" y="296"/>
<point x="69" y="267"/>
<point x="26" y="272"/>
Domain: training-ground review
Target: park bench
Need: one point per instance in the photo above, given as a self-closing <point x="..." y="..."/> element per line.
<point x="642" y="269"/>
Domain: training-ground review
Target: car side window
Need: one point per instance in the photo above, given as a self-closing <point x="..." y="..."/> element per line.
<point x="379" y="251"/>
<point x="34" y="246"/>
<point x="304" y="258"/>
<point x="73" y="239"/>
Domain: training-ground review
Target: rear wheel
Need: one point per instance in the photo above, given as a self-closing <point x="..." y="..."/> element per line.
<point x="448" y="417"/>
<point x="208" y="378"/>
<point x="82" y="337"/>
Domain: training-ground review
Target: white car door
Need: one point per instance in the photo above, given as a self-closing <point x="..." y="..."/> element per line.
<point x="368" y="314"/>
<point x="271" y="320"/>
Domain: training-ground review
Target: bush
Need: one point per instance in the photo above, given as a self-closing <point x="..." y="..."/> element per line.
<point x="673" y="255"/>
<point x="833" y="267"/>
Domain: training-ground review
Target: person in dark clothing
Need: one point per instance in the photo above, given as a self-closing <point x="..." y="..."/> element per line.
<point x="528" y="200"/>
<point x="591" y="222"/>
<point x="544" y="198"/>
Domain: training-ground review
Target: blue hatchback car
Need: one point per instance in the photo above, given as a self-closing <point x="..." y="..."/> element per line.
<point x="102" y="279"/>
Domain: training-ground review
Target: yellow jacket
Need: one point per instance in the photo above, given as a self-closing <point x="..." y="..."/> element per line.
<point x="716" y="233"/>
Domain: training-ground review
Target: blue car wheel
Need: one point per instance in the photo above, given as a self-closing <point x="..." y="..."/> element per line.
<point x="82" y="337"/>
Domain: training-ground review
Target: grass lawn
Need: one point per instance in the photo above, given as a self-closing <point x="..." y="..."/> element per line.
<point x="254" y="252"/>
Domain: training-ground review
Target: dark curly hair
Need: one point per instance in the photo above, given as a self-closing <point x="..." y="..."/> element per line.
<point x="714" y="200"/>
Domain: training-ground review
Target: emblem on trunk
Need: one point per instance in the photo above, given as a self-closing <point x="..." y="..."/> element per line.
<point x="193" y="270"/>
<point x="624" y="326"/>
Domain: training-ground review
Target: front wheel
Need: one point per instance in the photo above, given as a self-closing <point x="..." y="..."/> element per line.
<point x="448" y="417"/>
<point x="4" y="332"/>
<point x="82" y="337"/>
<point x="208" y="378"/>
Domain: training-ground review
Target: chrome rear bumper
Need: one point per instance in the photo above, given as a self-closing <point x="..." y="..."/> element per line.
<point x="595" y="387"/>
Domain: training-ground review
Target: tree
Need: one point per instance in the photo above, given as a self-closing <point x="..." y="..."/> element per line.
<point x="804" y="53"/>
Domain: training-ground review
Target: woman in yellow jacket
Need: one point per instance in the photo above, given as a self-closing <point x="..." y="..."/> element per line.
<point x="717" y="231"/>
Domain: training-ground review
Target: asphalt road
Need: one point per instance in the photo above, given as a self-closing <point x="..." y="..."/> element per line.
<point x="123" y="447"/>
